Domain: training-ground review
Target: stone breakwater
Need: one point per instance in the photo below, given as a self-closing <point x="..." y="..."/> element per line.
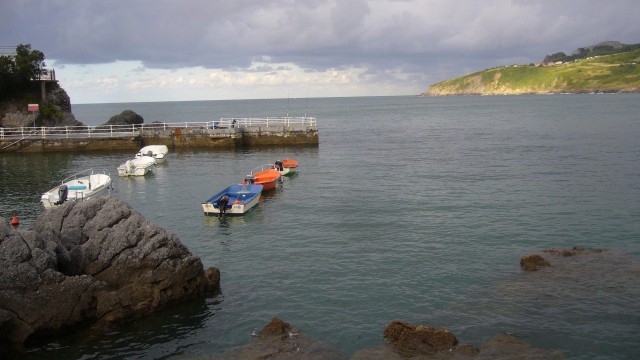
<point x="174" y="138"/>
<point x="93" y="263"/>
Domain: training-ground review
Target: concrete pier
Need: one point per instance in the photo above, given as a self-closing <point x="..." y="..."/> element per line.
<point x="224" y="134"/>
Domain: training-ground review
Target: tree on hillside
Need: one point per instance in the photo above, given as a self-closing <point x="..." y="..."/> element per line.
<point x="559" y="56"/>
<point x="17" y="71"/>
<point x="29" y="63"/>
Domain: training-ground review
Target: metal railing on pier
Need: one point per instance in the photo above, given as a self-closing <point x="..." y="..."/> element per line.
<point x="119" y="131"/>
<point x="267" y="121"/>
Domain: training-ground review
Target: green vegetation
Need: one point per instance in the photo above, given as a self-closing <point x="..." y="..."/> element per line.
<point x="619" y="72"/>
<point x="605" y="48"/>
<point x="48" y="111"/>
<point x="17" y="71"/>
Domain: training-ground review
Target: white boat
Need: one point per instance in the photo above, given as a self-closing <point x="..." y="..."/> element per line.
<point x="287" y="166"/>
<point x="77" y="187"/>
<point x="158" y="152"/>
<point x="139" y="166"/>
<point x="280" y="167"/>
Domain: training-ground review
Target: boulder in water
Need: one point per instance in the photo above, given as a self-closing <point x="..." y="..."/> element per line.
<point x="96" y="262"/>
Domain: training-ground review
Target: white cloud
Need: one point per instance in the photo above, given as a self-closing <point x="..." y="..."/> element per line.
<point x="145" y="50"/>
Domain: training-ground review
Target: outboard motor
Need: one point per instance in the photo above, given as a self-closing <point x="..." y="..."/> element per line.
<point x="63" y="192"/>
<point x="222" y="204"/>
<point x="279" y="165"/>
<point x="249" y="180"/>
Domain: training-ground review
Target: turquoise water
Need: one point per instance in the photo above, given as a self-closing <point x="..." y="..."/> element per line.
<point x="413" y="209"/>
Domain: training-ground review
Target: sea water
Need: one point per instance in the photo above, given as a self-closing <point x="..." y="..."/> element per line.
<point x="415" y="209"/>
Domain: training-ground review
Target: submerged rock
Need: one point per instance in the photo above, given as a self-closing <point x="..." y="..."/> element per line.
<point x="576" y="250"/>
<point x="414" y="340"/>
<point x="533" y="262"/>
<point x="278" y="340"/>
<point x="95" y="262"/>
<point x="424" y="342"/>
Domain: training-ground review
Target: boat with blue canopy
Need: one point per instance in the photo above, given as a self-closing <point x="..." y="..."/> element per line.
<point x="233" y="200"/>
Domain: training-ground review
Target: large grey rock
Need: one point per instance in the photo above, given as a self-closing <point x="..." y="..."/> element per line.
<point x="95" y="262"/>
<point x="127" y="117"/>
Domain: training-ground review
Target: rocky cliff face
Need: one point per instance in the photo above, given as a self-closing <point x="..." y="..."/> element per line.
<point x="55" y="111"/>
<point x="91" y="263"/>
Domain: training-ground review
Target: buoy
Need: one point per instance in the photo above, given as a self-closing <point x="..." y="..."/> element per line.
<point x="15" y="221"/>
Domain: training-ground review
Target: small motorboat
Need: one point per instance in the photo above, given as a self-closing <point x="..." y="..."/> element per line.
<point x="291" y="165"/>
<point x="77" y="187"/>
<point x="139" y="166"/>
<point x="234" y="200"/>
<point x="158" y="152"/>
<point x="265" y="175"/>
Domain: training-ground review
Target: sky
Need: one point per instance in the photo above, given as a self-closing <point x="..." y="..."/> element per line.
<point x="161" y="50"/>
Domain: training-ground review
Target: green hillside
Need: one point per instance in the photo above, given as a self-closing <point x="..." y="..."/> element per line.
<point x="608" y="73"/>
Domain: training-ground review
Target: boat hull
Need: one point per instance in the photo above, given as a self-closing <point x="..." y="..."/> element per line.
<point x="137" y="167"/>
<point x="79" y="187"/>
<point x="242" y="198"/>
<point x="266" y="175"/>
<point x="290" y="166"/>
<point x="158" y="152"/>
<point x="285" y="171"/>
<point x="267" y="185"/>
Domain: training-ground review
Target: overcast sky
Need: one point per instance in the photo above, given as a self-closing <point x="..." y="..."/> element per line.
<point x="161" y="50"/>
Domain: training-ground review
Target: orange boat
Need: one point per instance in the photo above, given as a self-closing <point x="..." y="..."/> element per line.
<point x="290" y="166"/>
<point x="265" y="175"/>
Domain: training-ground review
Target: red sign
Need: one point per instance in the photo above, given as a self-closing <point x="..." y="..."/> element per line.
<point x="33" y="107"/>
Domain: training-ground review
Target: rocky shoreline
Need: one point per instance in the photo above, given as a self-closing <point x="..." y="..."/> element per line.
<point x="98" y="264"/>
<point x="279" y="340"/>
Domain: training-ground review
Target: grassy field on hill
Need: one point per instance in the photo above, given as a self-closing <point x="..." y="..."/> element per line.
<point x="608" y="73"/>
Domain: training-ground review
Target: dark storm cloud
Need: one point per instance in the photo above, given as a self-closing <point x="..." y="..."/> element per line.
<point x="315" y="34"/>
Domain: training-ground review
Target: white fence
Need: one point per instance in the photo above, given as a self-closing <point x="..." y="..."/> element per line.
<point x="106" y="131"/>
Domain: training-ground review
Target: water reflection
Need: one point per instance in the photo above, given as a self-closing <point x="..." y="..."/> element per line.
<point x="156" y="335"/>
<point x="226" y="222"/>
<point x="25" y="177"/>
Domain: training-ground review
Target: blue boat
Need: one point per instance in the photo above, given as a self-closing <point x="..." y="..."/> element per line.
<point x="239" y="199"/>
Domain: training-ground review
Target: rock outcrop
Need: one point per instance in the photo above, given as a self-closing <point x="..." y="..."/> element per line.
<point x="127" y="117"/>
<point x="92" y="263"/>
<point x="424" y="342"/>
<point x="533" y="262"/>
<point x="54" y="111"/>
<point x="536" y="261"/>
<point x="415" y="340"/>
<point x="278" y="340"/>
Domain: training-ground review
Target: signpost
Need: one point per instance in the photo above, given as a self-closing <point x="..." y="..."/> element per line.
<point x="33" y="108"/>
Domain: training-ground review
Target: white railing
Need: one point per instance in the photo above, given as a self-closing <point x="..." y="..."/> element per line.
<point x="105" y="131"/>
<point x="270" y="121"/>
<point x="58" y="132"/>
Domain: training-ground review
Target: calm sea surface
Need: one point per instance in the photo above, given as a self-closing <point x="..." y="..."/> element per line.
<point x="411" y="208"/>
